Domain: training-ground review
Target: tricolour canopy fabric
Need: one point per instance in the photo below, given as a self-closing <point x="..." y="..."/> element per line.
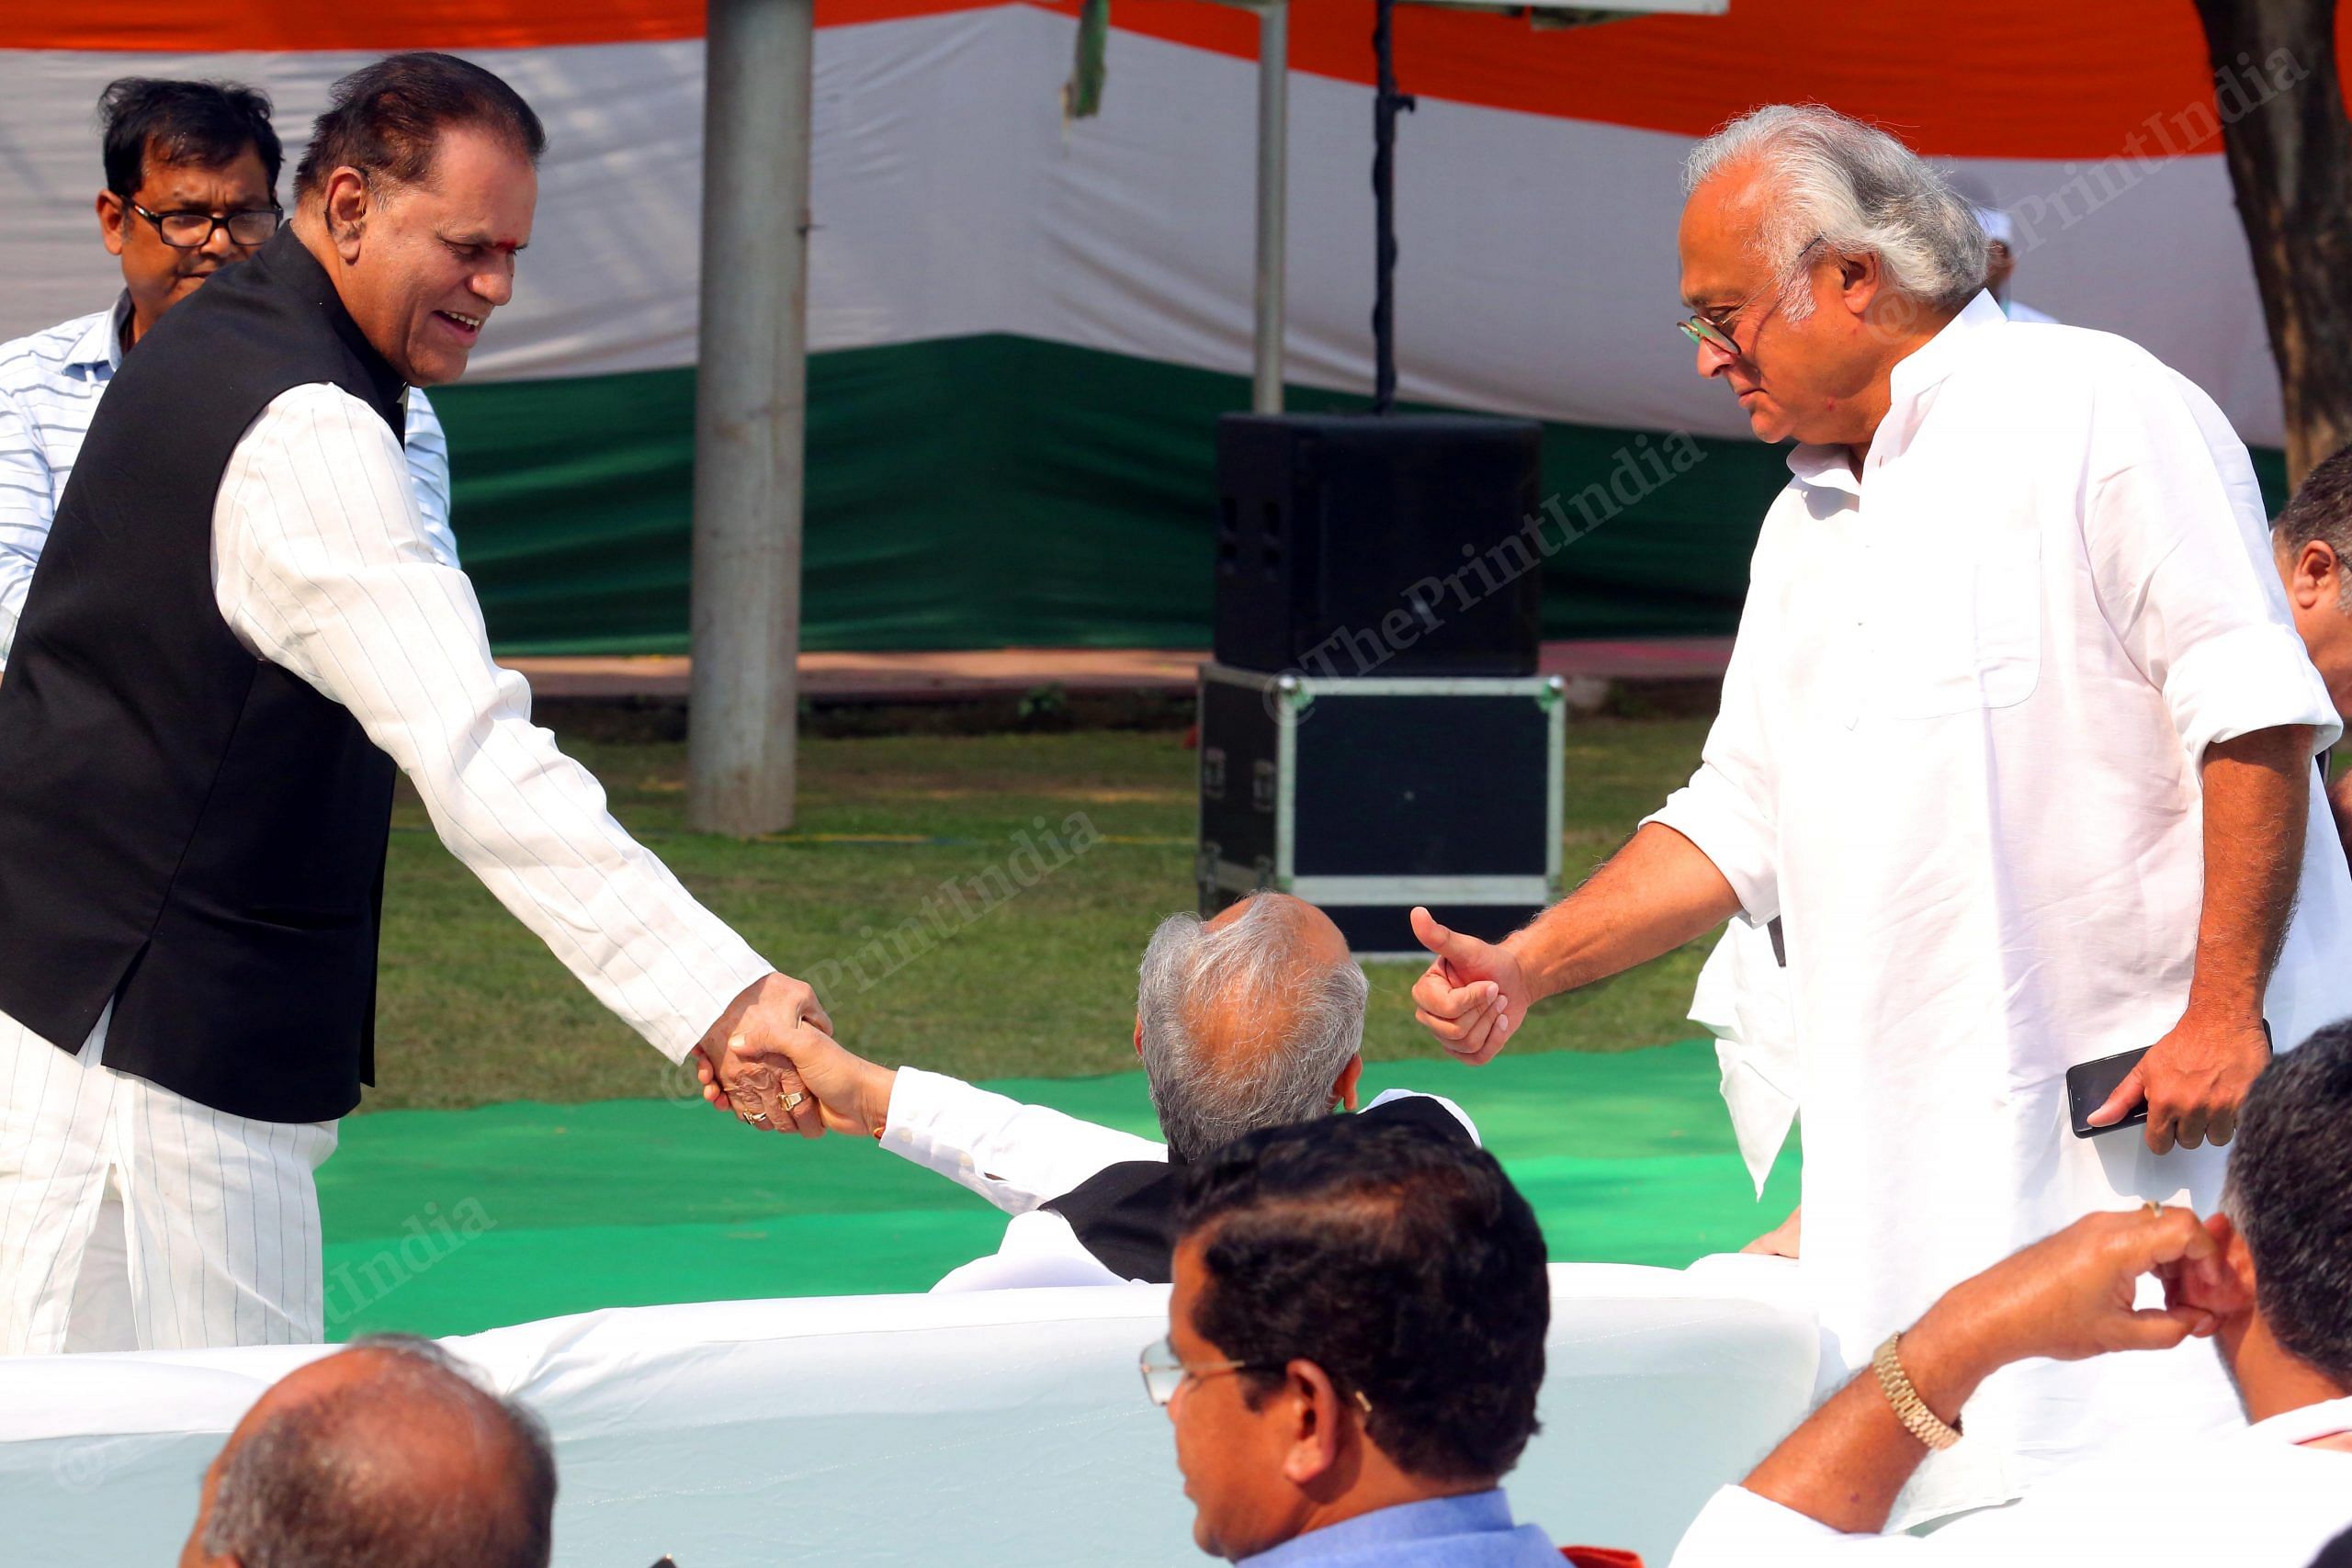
<point x="1024" y="328"/>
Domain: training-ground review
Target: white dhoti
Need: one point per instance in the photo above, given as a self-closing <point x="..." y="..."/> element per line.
<point x="133" y="1218"/>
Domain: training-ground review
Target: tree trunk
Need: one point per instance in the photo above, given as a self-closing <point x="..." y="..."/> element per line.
<point x="2280" y="91"/>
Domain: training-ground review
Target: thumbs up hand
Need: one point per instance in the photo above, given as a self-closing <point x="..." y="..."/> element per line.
<point x="1473" y="995"/>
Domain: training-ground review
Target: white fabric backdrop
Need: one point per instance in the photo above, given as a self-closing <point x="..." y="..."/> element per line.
<point x="1006" y="1428"/>
<point x="1536" y="273"/>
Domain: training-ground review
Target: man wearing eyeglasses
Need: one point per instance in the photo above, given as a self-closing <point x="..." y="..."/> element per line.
<point x="2016" y="744"/>
<point x="191" y="171"/>
<point x="1355" y="1344"/>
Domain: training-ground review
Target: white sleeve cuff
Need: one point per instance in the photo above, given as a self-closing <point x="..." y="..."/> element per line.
<point x="2256" y="677"/>
<point x="1711" y="814"/>
<point x="1739" y="1529"/>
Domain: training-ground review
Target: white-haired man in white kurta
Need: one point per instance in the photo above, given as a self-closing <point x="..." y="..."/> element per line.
<point x="2015" y="742"/>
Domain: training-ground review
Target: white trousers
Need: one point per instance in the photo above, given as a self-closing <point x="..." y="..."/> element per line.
<point x="133" y="1218"/>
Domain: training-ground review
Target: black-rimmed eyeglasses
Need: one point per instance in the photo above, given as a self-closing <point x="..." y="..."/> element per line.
<point x="194" y="230"/>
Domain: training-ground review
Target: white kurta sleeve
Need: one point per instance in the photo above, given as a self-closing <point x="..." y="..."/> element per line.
<point x="1739" y="1529"/>
<point x="321" y="565"/>
<point x="26" y="509"/>
<point x="1015" y="1155"/>
<point x="427" y="452"/>
<point x="2185" y="578"/>
<point x="1727" y="808"/>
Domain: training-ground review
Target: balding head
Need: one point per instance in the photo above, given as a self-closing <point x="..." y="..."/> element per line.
<point x="385" y="1455"/>
<point x="1251" y="1020"/>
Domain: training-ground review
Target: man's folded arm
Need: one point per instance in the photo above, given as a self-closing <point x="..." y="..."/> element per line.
<point x="321" y="565"/>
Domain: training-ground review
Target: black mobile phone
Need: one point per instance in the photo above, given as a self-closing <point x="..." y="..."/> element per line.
<point x="2088" y="1086"/>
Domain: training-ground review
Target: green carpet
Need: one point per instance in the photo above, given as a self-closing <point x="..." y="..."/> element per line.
<point x="445" y="1222"/>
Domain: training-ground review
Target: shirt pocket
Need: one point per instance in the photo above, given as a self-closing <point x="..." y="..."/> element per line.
<point x="1961" y="630"/>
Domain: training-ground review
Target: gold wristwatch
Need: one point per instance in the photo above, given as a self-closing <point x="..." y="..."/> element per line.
<point x="1909" y="1408"/>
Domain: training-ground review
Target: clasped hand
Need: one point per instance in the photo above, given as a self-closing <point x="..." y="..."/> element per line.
<point x="846" y="1093"/>
<point x="745" y="1066"/>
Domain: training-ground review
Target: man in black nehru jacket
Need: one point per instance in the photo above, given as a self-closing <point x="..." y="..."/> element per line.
<point x="237" y="632"/>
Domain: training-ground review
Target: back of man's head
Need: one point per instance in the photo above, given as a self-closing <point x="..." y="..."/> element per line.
<point x="385" y="1455"/>
<point x="2289" y="1195"/>
<point x="1397" y="1257"/>
<point x="208" y="125"/>
<point x="384" y="119"/>
<point x="2321" y="510"/>
<point x="1246" y="1020"/>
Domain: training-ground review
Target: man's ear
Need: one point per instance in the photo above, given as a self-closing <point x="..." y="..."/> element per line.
<point x="114" y="214"/>
<point x="1343" y="1090"/>
<point x="2316" y="577"/>
<point x="346" y="205"/>
<point x="1311" y="1406"/>
<point x="1858" y="281"/>
<point x="1138" y="1034"/>
<point x="2223" y="1283"/>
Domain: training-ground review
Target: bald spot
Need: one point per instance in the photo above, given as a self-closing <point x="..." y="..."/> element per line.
<point x="412" y="1433"/>
<point x="1237" y="1026"/>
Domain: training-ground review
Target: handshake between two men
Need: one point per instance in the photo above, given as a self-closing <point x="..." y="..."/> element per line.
<point x="748" y="1060"/>
<point x="772" y="1061"/>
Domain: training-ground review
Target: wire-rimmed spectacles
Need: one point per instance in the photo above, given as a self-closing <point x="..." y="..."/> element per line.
<point x="1164" y="1371"/>
<point x="1716" y="335"/>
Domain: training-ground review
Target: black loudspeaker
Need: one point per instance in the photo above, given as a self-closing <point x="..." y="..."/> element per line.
<point x="1360" y="545"/>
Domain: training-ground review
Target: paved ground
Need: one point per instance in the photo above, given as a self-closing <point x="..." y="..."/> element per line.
<point x="983" y="672"/>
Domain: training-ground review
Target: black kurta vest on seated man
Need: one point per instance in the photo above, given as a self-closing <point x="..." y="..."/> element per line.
<point x="187" y="830"/>
<point x="1126" y="1213"/>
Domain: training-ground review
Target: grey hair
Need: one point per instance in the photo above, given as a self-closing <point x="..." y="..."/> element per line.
<point x="1303" y="1018"/>
<point x="308" y="1488"/>
<point x="1856" y="189"/>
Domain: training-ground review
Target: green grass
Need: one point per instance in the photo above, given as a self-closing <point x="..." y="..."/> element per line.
<point x="474" y="1010"/>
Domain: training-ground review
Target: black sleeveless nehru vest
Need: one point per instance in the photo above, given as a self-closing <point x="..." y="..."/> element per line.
<point x="1124" y="1215"/>
<point x="187" y="830"/>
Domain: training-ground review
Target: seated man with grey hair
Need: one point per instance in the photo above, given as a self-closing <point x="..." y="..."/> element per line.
<point x="385" y="1454"/>
<point x="1253" y="1019"/>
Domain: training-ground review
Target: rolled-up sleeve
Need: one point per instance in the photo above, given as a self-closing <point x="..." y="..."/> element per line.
<point x="2184" y="573"/>
<point x="1727" y="808"/>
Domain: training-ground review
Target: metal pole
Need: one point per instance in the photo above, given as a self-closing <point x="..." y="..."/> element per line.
<point x="750" y="407"/>
<point x="1386" y="103"/>
<point x="1274" y="160"/>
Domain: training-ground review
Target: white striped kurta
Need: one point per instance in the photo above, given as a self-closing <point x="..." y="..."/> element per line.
<point x="322" y="564"/>
<point x="49" y="387"/>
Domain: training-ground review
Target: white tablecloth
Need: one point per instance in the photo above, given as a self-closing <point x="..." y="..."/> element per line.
<point x="1000" y="1429"/>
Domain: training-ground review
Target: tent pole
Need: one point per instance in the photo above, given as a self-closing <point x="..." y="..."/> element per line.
<point x="751" y="409"/>
<point x="1273" y="159"/>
